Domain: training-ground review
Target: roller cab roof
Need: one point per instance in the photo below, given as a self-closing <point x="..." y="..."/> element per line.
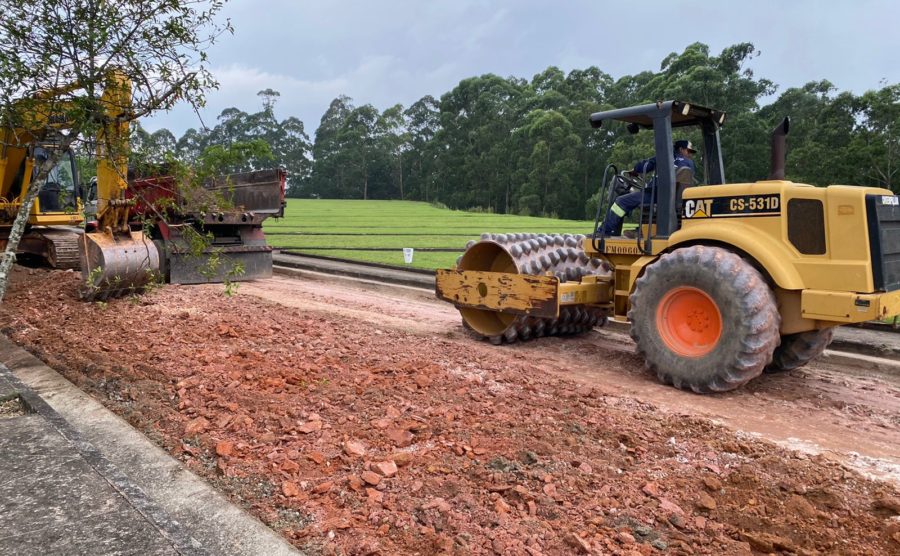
<point x="682" y="114"/>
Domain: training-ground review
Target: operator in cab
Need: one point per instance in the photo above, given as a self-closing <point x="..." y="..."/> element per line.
<point x="612" y="224"/>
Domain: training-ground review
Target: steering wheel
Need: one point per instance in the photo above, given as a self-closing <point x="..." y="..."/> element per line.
<point x="625" y="182"/>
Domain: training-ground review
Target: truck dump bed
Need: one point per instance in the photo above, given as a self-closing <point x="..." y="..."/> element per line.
<point x="228" y="211"/>
<point x="261" y="191"/>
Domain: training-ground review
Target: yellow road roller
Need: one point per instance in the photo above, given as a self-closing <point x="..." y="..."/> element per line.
<point x="719" y="283"/>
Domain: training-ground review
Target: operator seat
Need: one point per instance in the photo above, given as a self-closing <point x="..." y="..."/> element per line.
<point x="684" y="178"/>
<point x="49" y="197"/>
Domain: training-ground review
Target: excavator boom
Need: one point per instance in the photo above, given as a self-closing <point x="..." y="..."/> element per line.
<point x="115" y="260"/>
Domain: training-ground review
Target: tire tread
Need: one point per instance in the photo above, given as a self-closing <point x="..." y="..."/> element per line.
<point x="796" y="350"/>
<point x="758" y="311"/>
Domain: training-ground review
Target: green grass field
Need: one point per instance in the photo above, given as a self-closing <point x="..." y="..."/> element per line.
<point x="345" y="229"/>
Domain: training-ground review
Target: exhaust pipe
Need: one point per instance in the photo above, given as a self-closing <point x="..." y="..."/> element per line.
<point x="779" y="149"/>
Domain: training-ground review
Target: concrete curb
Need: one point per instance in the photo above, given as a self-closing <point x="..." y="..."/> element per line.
<point x="355" y="270"/>
<point x="859" y="348"/>
<point x="170" y="529"/>
<point x="209" y="517"/>
<point x="877" y="363"/>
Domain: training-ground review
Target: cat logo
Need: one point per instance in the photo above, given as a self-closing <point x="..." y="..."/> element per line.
<point x="698" y="208"/>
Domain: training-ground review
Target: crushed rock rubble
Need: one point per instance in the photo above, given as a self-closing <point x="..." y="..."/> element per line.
<point x="348" y="442"/>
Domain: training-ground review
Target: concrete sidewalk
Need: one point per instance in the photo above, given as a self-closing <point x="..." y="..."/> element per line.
<point x="77" y="479"/>
<point x="59" y="495"/>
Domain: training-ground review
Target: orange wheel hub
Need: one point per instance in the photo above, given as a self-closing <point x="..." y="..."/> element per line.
<point x="689" y="321"/>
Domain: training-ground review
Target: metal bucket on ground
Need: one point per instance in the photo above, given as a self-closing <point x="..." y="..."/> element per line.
<point x="113" y="265"/>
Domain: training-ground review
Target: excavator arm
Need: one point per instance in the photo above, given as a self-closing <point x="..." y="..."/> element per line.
<point x="115" y="259"/>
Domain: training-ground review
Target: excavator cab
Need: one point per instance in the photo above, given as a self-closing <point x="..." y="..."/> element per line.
<point x="59" y="193"/>
<point x="49" y="234"/>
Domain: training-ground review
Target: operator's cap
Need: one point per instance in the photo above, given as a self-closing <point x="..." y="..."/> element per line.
<point x="684" y="144"/>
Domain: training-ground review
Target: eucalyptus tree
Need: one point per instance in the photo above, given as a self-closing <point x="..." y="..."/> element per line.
<point x="422" y="123"/>
<point x="875" y="148"/>
<point x="328" y="177"/>
<point x="474" y="141"/>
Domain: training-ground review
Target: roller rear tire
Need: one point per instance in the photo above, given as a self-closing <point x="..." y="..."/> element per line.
<point x="797" y="350"/>
<point x="704" y="319"/>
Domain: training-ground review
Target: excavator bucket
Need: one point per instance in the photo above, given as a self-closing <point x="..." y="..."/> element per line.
<point x="113" y="265"/>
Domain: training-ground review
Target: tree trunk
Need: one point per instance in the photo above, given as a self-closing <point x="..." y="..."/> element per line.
<point x="8" y="258"/>
<point x="365" y="180"/>
<point x="400" y="160"/>
<point x="424" y="179"/>
<point x="546" y="186"/>
<point x="506" y="202"/>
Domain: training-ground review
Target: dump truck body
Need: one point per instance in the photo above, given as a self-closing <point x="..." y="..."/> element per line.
<point x="211" y="233"/>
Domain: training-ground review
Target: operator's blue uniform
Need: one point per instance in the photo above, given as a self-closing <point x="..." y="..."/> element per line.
<point x="623" y="205"/>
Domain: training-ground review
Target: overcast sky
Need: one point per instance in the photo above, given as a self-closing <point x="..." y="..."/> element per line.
<point x="399" y="51"/>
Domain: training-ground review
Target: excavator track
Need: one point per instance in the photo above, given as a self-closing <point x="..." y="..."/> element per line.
<point x="63" y="251"/>
<point x="59" y="247"/>
<point x="537" y="254"/>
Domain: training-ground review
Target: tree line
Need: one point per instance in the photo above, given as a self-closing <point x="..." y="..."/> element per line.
<point x="510" y="145"/>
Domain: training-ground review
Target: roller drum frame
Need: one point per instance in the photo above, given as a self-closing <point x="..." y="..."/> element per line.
<point x="534" y="254"/>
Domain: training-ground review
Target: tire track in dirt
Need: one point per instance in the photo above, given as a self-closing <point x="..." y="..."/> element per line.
<point x="819" y="409"/>
<point x="360" y="419"/>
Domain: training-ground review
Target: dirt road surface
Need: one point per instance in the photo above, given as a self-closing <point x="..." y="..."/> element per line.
<point x="361" y="419"/>
<point x="851" y="414"/>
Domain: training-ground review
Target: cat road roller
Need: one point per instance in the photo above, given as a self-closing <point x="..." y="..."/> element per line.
<point x="720" y="282"/>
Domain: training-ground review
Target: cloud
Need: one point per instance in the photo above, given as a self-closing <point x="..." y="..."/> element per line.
<point x="238" y="82"/>
<point x="381" y="80"/>
<point x="397" y="51"/>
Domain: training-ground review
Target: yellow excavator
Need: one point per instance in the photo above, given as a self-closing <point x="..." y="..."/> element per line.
<point x="113" y="259"/>
<point x="722" y="281"/>
<point x="140" y="227"/>
<point x="58" y="205"/>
